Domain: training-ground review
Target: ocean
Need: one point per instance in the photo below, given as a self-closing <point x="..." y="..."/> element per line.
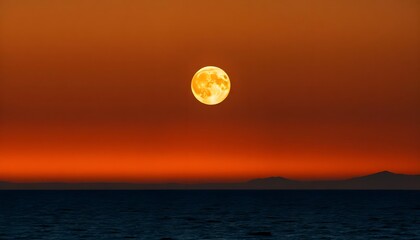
<point x="210" y="214"/>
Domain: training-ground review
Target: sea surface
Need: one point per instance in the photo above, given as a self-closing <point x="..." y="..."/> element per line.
<point x="209" y="215"/>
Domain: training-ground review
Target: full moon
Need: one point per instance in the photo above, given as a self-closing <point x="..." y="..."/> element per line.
<point x="210" y="85"/>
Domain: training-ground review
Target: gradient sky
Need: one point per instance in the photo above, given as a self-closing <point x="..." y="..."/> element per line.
<point x="100" y="90"/>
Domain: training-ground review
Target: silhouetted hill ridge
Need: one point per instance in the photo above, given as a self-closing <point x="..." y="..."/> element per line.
<point x="270" y="180"/>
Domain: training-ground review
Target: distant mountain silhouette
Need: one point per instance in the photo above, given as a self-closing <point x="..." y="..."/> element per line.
<point x="385" y="180"/>
<point x="271" y="182"/>
<point x="381" y="180"/>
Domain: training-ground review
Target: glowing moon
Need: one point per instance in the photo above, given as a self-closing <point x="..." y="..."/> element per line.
<point x="210" y="85"/>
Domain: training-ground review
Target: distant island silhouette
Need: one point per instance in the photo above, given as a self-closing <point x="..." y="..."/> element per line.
<point x="382" y="180"/>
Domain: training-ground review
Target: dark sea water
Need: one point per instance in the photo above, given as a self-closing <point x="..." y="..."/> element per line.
<point x="209" y="215"/>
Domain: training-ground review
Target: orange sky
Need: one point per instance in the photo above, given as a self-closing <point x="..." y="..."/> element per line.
<point x="100" y="90"/>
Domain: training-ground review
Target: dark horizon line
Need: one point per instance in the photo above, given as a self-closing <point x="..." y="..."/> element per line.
<point x="204" y="183"/>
